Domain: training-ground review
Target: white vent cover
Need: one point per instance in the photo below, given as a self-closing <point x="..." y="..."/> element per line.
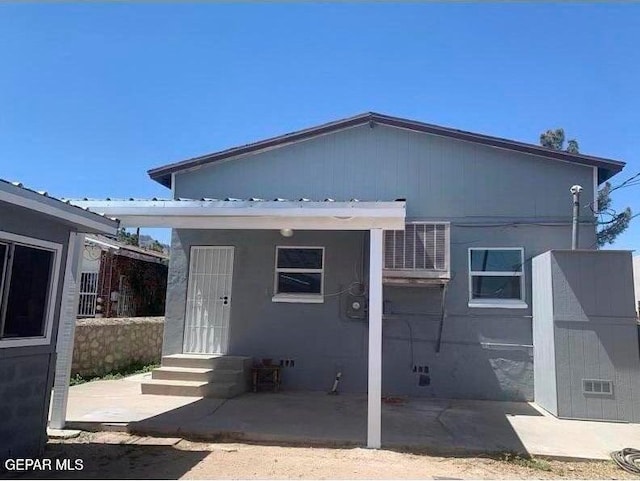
<point x="421" y="246"/>
<point x="597" y="386"/>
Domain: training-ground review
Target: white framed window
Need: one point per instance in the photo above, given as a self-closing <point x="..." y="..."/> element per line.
<point x="496" y="277"/>
<point x="29" y="271"/>
<point x="299" y="274"/>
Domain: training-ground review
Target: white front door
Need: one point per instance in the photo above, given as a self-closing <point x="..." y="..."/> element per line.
<point x="206" y="323"/>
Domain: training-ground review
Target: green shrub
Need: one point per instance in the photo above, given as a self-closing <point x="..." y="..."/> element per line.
<point x="132" y="369"/>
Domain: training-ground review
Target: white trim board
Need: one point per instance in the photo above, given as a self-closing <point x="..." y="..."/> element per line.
<point x="66" y="331"/>
<point x="215" y="214"/>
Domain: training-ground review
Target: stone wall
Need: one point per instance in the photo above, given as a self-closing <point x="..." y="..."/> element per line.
<point x="108" y="344"/>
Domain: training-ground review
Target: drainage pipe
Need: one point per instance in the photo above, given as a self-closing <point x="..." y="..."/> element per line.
<point x="575" y="191"/>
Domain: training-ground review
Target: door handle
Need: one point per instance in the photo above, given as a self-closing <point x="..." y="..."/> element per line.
<point x="225" y="299"/>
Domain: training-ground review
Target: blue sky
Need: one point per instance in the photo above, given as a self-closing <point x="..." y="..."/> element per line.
<point x="91" y="96"/>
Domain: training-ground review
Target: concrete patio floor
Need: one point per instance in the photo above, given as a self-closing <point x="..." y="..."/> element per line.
<point x="438" y="426"/>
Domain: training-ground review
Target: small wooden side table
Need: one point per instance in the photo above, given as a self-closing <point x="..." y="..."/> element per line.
<point x="266" y="376"/>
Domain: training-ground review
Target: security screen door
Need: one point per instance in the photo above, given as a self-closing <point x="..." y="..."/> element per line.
<point x="206" y="329"/>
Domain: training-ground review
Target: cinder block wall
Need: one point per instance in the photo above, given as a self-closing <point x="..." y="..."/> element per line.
<point x="24" y="399"/>
<point x="108" y="344"/>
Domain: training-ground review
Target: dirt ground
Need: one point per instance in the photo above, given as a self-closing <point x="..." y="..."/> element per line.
<point x="117" y="455"/>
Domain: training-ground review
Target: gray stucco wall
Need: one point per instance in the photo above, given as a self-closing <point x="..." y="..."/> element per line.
<point x="26" y="373"/>
<point x="595" y="333"/>
<point x="492" y="197"/>
<point x="317" y="336"/>
<point x="484" y="353"/>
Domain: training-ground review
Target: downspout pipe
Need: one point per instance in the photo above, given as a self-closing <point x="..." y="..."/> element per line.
<point x="575" y="191"/>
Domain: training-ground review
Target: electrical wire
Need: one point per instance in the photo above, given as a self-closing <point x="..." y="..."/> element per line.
<point x="520" y="223"/>
<point x="413" y="362"/>
<point x="443" y="316"/>
<point x="627" y="183"/>
<point x="628" y="459"/>
<point x="349" y="290"/>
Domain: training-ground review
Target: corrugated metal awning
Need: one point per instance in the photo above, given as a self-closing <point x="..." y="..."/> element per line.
<point x="252" y="213"/>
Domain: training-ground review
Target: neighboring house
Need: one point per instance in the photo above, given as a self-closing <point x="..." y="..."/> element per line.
<point x="636" y="282"/>
<point x="121" y="280"/>
<point x="447" y="220"/>
<point x="39" y="254"/>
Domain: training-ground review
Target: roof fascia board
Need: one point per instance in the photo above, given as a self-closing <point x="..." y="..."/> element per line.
<point x="22" y="199"/>
<point x="540" y="156"/>
<point x="254" y="214"/>
<point x="206" y="162"/>
<point x="140" y="256"/>
<point x="160" y="174"/>
<point x="101" y="243"/>
<point x="240" y="208"/>
<point x="127" y="251"/>
<point x="263" y="222"/>
<point x="500" y="143"/>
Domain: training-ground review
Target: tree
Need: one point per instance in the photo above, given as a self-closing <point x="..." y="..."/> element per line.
<point x="156" y="246"/>
<point x="126" y="237"/>
<point x="617" y="222"/>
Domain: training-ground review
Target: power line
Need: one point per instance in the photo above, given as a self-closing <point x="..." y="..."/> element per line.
<point x="627" y="183"/>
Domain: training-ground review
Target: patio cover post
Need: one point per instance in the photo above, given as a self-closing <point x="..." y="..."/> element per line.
<point x="374" y="412"/>
<point x="66" y="331"/>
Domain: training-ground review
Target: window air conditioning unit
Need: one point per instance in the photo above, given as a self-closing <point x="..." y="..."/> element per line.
<point x="417" y="255"/>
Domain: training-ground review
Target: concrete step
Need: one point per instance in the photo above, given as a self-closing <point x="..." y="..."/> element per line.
<point x="208" y="361"/>
<point x="198" y="374"/>
<point x="165" y="387"/>
<point x="169" y="387"/>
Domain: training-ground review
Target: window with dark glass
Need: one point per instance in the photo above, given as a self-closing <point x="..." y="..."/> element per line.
<point x="25" y="284"/>
<point x="299" y="270"/>
<point x="496" y="274"/>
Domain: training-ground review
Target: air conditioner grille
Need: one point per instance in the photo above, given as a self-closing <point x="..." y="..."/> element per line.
<point x="421" y="246"/>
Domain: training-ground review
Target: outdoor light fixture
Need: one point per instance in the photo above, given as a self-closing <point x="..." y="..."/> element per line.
<point x="286" y="232"/>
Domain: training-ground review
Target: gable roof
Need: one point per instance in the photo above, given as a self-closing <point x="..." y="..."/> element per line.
<point x="40" y="201"/>
<point x="606" y="167"/>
